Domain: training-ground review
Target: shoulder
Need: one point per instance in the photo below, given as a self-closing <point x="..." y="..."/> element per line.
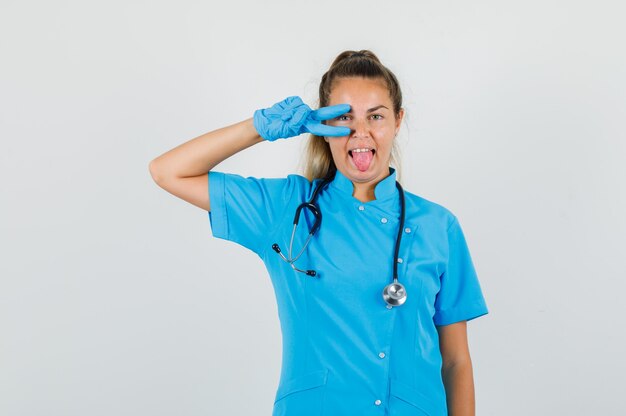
<point x="291" y="180"/>
<point x="428" y="211"/>
<point x="298" y="180"/>
<point x="275" y="190"/>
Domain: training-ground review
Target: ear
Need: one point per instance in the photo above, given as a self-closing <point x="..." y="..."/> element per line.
<point x="399" y="119"/>
<point x="325" y="139"/>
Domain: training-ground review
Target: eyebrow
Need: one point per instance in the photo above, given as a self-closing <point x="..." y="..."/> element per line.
<point x="371" y="109"/>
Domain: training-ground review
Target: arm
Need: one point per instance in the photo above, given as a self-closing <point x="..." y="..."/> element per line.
<point x="182" y="171"/>
<point x="457" y="369"/>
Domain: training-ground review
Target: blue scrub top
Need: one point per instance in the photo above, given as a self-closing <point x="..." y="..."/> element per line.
<point x="345" y="352"/>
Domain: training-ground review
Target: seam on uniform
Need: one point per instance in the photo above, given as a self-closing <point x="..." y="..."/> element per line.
<point x="454" y="219"/>
<point x="465" y="312"/>
<point x="279" y="220"/>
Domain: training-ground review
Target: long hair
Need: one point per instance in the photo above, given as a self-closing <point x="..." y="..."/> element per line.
<point x="319" y="161"/>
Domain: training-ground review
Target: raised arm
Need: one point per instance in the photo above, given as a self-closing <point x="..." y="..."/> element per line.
<point x="183" y="171"/>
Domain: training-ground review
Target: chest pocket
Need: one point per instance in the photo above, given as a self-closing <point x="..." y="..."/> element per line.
<point x="407" y="401"/>
<point x="302" y="395"/>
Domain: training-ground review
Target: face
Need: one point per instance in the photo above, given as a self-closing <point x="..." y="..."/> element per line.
<point x="373" y="126"/>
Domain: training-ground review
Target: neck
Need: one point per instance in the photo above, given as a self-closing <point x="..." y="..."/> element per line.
<point x="363" y="193"/>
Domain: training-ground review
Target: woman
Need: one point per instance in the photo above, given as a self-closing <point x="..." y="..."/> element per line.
<point x="373" y="300"/>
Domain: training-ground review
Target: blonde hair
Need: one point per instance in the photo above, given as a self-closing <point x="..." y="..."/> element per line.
<point x="319" y="161"/>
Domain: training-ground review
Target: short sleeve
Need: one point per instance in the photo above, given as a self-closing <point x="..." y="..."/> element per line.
<point x="244" y="210"/>
<point x="460" y="296"/>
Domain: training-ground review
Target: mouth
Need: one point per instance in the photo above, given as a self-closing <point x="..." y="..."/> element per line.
<point x="362" y="157"/>
<point x="360" y="150"/>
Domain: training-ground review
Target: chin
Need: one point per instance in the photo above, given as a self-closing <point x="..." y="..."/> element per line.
<point x="369" y="174"/>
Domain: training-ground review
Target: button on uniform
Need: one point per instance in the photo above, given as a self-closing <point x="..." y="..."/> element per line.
<point x="381" y="355"/>
<point x="361" y="207"/>
<point x="383" y="220"/>
<point x="377" y="402"/>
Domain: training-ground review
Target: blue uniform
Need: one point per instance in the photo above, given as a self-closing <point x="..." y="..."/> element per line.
<point x="345" y="352"/>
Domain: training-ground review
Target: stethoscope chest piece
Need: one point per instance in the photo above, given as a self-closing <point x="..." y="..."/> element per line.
<point x="394" y="294"/>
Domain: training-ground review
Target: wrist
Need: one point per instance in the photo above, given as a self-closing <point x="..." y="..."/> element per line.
<point x="259" y="122"/>
<point x="251" y="130"/>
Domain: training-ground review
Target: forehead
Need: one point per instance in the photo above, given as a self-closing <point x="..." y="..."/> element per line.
<point x="357" y="90"/>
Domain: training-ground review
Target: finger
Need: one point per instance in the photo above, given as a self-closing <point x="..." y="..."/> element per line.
<point x="326" y="130"/>
<point x="285" y="105"/>
<point x="292" y="101"/>
<point x="300" y="115"/>
<point x="329" y="112"/>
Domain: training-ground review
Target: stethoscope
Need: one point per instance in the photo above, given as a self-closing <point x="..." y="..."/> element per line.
<point x="394" y="293"/>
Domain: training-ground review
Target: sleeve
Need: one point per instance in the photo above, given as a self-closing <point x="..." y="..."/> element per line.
<point x="245" y="210"/>
<point x="460" y="296"/>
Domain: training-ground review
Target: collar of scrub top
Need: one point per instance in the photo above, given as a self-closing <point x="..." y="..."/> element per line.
<point x="384" y="189"/>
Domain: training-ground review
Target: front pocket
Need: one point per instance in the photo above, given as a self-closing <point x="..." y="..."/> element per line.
<point x="411" y="401"/>
<point x="302" y="395"/>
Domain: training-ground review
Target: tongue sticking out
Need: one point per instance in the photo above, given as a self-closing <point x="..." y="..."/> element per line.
<point x="362" y="160"/>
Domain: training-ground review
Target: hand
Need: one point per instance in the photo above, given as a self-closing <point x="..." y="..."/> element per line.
<point x="291" y="117"/>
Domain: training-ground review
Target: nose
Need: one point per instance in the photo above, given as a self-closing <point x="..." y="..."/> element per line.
<point x="360" y="128"/>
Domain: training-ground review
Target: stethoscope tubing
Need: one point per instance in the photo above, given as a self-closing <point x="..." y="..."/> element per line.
<point x="400" y="230"/>
<point x="394" y="293"/>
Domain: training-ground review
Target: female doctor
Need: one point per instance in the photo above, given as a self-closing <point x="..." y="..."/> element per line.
<point x="374" y="284"/>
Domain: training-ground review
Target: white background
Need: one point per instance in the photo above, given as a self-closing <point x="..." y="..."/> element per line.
<point x="112" y="291"/>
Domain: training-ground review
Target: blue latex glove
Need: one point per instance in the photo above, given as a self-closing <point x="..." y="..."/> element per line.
<point x="291" y="117"/>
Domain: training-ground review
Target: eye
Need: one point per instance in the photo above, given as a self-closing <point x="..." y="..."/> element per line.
<point x="340" y="117"/>
<point x="377" y="115"/>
